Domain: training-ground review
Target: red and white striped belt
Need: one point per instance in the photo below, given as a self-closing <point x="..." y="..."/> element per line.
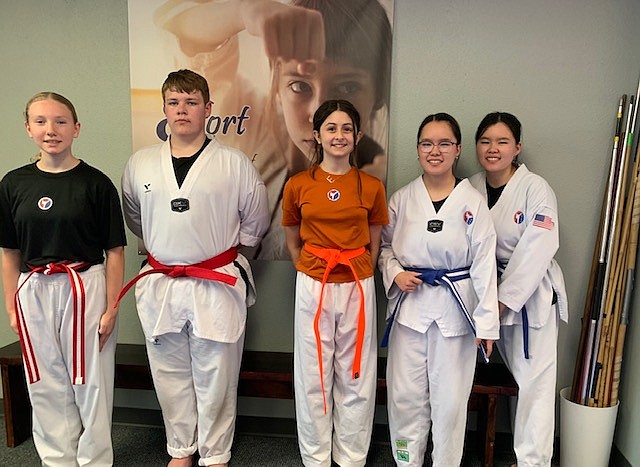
<point x="72" y="270"/>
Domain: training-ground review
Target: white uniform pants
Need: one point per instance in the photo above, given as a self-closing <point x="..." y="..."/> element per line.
<point x="345" y="430"/>
<point x="429" y="379"/>
<point x="196" y="381"/>
<point x="71" y="423"/>
<point x="536" y="377"/>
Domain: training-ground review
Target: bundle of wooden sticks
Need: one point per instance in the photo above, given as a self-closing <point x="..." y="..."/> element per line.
<point x="607" y="305"/>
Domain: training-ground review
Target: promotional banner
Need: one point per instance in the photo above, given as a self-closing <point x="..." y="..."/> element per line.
<point x="269" y="65"/>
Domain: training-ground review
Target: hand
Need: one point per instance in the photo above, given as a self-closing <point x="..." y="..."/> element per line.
<point x="407" y="281"/>
<point x="107" y="324"/>
<point x="13" y="320"/>
<point x="487" y="344"/>
<point x="288" y="32"/>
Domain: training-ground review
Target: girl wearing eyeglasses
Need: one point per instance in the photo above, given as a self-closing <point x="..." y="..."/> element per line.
<point x="439" y="272"/>
<point x="531" y="289"/>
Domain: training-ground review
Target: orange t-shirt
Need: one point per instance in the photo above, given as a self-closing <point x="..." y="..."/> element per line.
<point x="334" y="215"/>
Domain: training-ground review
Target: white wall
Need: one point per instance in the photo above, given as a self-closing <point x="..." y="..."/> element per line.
<point x="559" y="66"/>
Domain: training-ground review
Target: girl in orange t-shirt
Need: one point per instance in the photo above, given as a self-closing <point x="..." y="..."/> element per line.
<point x="333" y="215"/>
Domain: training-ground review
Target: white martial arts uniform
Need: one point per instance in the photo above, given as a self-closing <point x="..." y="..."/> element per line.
<point x="194" y="327"/>
<point x="432" y="352"/>
<point x="526" y="222"/>
<point x="75" y="428"/>
<point x="345" y="430"/>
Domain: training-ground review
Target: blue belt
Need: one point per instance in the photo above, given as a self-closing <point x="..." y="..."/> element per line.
<point x="525" y="318"/>
<point x="439" y="277"/>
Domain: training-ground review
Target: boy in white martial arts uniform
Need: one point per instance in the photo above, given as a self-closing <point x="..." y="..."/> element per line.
<point x="531" y="291"/>
<point x="194" y="202"/>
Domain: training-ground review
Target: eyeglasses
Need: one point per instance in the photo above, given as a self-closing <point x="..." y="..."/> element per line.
<point x="443" y="146"/>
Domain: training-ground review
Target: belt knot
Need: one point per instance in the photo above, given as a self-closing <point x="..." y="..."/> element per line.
<point x="178" y="271"/>
<point x="54" y="268"/>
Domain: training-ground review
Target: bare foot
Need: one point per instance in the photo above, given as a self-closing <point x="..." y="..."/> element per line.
<point x="181" y="462"/>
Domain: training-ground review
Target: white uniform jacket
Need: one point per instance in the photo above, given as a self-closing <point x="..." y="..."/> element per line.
<point x="526" y="222"/>
<point x="227" y="206"/>
<point x="460" y="235"/>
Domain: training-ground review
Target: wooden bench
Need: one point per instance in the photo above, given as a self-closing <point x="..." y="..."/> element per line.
<point x="263" y="374"/>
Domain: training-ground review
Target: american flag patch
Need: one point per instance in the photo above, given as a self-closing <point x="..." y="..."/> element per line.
<point x="543" y="221"/>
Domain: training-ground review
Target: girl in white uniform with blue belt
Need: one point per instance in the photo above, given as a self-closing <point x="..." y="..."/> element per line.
<point x="531" y="291"/>
<point x="438" y="266"/>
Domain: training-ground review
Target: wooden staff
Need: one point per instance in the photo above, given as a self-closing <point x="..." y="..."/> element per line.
<point x="600" y="269"/>
<point x="617" y="303"/>
<point x="610" y="329"/>
<point x="624" y="318"/>
<point x="595" y="280"/>
<point x="586" y="314"/>
<point x="610" y="315"/>
<point x="631" y="264"/>
<point x="613" y="240"/>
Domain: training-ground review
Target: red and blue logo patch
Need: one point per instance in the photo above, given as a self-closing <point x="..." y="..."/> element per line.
<point x="518" y="217"/>
<point x="333" y="195"/>
<point x="468" y="217"/>
<point x="45" y="203"/>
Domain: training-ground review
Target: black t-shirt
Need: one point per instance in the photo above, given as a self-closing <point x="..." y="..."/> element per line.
<point x="438" y="204"/>
<point x="73" y="215"/>
<point x="493" y="194"/>
<point x="182" y="165"/>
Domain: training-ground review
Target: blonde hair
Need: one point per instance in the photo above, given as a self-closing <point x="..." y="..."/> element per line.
<point x="43" y="96"/>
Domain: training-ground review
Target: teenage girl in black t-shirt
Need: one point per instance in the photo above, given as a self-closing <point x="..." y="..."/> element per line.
<point x="59" y="217"/>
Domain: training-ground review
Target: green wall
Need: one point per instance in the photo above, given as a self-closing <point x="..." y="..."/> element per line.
<point x="559" y="66"/>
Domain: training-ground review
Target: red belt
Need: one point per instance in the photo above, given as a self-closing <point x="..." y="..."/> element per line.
<point x="79" y="300"/>
<point x="203" y="270"/>
<point x="334" y="257"/>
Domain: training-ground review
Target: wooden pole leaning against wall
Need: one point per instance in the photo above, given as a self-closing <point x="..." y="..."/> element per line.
<point x="615" y="303"/>
<point x="585" y="353"/>
<point x="586" y="315"/>
<point x="631" y="260"/>
<point x="624" y="294"/>
<point x="624" y="318"/>
<point x="611" y="304"/>
<point x="597" y="274"/>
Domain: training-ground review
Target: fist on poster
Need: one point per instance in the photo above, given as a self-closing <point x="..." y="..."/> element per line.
<point x="269" y="65"/>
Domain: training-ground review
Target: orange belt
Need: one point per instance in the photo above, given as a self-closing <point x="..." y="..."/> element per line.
<point x="203" y="270"/>
<point x="334" y="257"/>
<point x="71" y="269"/>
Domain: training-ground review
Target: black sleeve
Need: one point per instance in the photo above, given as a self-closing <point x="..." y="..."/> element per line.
<point x="110" y="216"/>
<point x="8" y="235"/>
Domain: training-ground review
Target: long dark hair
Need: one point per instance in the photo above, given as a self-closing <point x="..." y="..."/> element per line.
<point x="320" y="115"/>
